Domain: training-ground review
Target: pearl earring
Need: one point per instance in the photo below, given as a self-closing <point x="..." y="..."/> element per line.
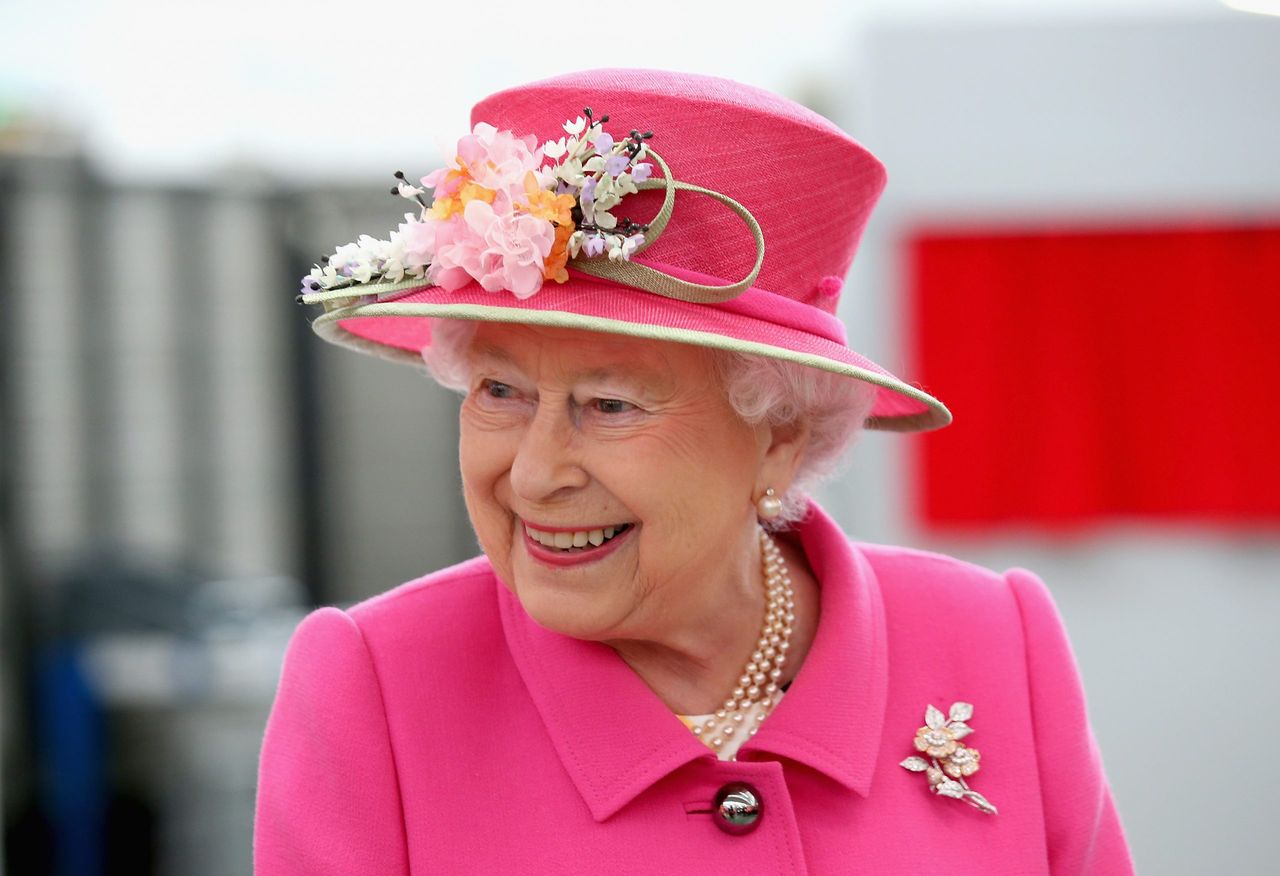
<point x="769" y="505"/>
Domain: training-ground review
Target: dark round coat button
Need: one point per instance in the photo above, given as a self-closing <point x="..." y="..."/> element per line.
<point x="738" y="808"/>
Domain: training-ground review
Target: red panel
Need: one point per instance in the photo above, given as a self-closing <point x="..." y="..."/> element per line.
<point x="1099" y="374"/>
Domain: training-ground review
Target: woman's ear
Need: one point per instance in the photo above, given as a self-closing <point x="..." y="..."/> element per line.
<point x="782" y="448"/>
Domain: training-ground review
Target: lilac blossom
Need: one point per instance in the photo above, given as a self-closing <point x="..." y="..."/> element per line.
<point x="616" y="164"/>
<point x="641" y="171"/>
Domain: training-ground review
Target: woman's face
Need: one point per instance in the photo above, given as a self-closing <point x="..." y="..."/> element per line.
<point x="627" y="444"/>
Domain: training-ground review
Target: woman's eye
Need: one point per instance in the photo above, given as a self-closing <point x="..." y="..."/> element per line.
<point x="494" y="395"/>
<point x="496" y="389"/>
<point x="612" y="406"/>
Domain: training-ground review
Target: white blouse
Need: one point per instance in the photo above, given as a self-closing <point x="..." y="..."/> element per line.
<point x="728" y="749"/>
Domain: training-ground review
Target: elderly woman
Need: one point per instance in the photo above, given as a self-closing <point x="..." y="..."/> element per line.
<point x="667" y="658"/>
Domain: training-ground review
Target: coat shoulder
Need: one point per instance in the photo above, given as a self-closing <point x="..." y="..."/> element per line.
<point x="922" y="574"/>
<point x="920" y="587"/>
<point x="456" y="602"/>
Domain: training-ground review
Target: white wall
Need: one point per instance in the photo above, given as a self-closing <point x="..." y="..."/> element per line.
<point x="1173" y="626"/>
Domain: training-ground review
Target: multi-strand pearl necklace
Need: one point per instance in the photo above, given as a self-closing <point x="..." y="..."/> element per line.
<point x="757" y="690"/>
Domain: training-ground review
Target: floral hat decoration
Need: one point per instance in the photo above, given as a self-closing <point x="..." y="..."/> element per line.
<point x="539" y="220"/>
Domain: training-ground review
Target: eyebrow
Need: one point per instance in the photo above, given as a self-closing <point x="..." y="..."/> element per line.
<point x="636" y="374"/>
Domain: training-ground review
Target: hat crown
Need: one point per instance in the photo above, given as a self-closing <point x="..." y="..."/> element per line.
<point x="810" y="185"/>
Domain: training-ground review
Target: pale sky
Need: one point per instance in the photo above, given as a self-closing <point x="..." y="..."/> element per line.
<point x="174" y="90"/>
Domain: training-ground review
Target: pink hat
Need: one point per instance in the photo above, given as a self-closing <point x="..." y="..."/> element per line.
<point x="554" y="234"/>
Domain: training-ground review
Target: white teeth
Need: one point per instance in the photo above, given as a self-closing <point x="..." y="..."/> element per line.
<point x="578" y="539"/>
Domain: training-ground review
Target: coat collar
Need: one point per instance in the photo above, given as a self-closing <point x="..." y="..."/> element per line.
<point x="616" y="738"/>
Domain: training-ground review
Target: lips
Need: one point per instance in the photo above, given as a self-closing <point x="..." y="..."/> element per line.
<point x="579" y="545"/>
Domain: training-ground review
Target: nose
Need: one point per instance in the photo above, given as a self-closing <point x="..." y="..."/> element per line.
<point x="547" y="463"/>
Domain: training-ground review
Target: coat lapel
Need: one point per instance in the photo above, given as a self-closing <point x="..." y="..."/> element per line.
<point x="832" y="716"/>
<point x="613" y="734"/>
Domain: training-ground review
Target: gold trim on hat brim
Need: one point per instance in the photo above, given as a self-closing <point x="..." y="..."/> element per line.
<point x="327" y="327"/>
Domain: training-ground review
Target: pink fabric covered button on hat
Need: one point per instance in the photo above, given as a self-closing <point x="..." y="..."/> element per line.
<point x="649" y="203"/>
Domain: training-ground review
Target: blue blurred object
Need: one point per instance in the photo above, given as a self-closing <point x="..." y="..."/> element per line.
<point x="71" y="749"/>
<point x="106" y="591"/>
<point x="151" y="680"/>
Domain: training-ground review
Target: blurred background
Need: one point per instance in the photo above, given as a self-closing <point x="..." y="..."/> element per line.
<point x="1078" y="251"/>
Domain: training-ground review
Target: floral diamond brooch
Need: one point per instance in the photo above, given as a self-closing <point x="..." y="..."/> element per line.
<point x="949" y="761"/>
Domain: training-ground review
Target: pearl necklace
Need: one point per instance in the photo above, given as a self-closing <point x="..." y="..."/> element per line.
<point x="758" y="685"/>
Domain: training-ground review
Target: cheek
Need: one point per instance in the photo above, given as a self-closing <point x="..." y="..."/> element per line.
<point x="485" y="448"/>
<point x="684" y="483"/>
<point x="704" y="454"/>
<point x="484" y="460"/>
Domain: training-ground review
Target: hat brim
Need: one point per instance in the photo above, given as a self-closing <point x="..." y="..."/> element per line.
<point x="397" y="328"/>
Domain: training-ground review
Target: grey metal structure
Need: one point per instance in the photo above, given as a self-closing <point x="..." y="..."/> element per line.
<point x="164" y="404"/>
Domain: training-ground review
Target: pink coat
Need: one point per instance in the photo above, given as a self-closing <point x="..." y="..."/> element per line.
<point x="435" y="728"/>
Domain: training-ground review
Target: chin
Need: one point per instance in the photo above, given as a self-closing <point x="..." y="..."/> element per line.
<point x="585" y="611"/>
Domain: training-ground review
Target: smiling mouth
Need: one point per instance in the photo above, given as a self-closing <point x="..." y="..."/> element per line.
<point x="580" y="541"/>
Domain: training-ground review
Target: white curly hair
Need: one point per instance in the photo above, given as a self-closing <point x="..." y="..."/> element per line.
<point x="758" y="388"/>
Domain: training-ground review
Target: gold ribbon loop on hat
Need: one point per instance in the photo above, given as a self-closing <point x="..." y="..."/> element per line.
<point x="652" y="280"/>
